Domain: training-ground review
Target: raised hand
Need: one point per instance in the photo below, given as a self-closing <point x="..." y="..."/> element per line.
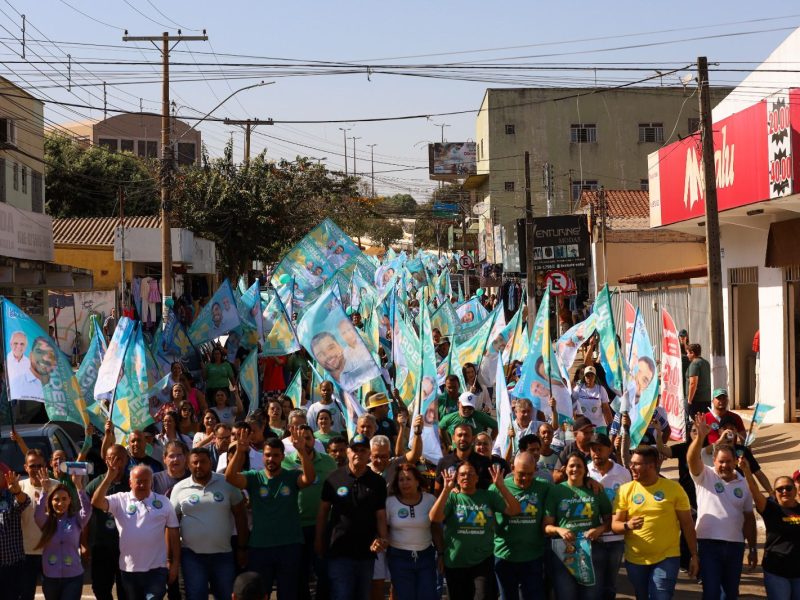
<point x="744" y="465"/>
<point x="402" y="418"/>
<point x="449" y="480"/>
<point x="702" y="427"/>
<point x="244" y="439"/>
<point x="77" y="481"/>
<point x="418" y="424"/>
<point x="497" y="474"/>
<point x="12" y="481"/>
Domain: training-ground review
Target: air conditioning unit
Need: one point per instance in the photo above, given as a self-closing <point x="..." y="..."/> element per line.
<point x="8" y="133"/>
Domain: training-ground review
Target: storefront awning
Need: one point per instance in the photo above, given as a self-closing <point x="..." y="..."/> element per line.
<point x="671" y="275"/>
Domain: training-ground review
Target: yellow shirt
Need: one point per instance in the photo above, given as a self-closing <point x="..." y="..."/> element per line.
<point x="659" y="537"/>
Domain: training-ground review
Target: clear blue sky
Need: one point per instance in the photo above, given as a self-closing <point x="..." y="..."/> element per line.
<point x="367" y="31"/>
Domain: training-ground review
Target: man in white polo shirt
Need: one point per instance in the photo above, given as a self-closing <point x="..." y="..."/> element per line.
<point x="207" y="507"/>
<point x="724" y="517"/>
<point x="148" y="559"/>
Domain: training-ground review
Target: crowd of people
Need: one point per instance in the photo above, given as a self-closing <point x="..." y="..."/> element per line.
<point x="217" y="488"/>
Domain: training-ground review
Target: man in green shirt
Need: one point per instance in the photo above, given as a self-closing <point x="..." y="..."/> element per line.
<point x="308" y="504"/>
<point x="448" y="401"/>
<point x="519" y="541"/>
<point x="276" y="538"/>
<point x="698" y="377"/>
<point x="478" y="420"/>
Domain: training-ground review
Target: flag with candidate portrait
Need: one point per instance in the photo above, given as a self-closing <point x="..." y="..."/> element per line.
<point x="407" y="358"/>
<point x="108" y="375"/>
<point x="642" y="381"/>
<point x="279" y="338"/>
<point x="38" y="370"/>
<point x="608" y="348"/>
<point x="445" y="319"/>
<point x="219" y="316"/>
<point x="130" y="408"/>
<point x="472" y="348"/>
<point x="90" y="365"/>
<point x="331" y="338"/>
<point x="568" y="344"/>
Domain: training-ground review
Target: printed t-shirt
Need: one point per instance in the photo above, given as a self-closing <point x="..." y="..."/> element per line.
<point x="782" y="550"/>
<point x="660" y="533"/>
<point x="309" y="498"/>
<point x="611" y="483"/>
<point x="469" y="523"/>
<point x="721" y="506"/>
<point x="479" y="421"/>
<point x="576" y="508"/>
<point x="520" y="538"/>
<point x="276" y="518"/>
<point x="409" y="526"/>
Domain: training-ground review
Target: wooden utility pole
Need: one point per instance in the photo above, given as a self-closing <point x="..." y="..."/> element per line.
<point x="122" y="302"/>
<point x="530" y="272"/>
<point x="344" y="131"/>
<point x="248" y="128"/>
<point x="372" y="165"/>
<point x="354" y="138"/>
<point x="719" y="369"/>
<point x="167" y="155"/>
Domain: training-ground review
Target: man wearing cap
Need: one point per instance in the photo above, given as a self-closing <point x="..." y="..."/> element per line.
<point x="608" y="555"/>
<point x="479" y="420"/>
<point x="463" y="441"/>
<point x="276" y="539"/>
<point x="725" y="517"/>
<point x="719" y="409"/>
<point x="354" y="497"/>
<point x="582" y="430"/>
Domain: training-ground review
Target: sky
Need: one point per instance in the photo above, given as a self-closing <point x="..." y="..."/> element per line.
<point x="369" y="36"/>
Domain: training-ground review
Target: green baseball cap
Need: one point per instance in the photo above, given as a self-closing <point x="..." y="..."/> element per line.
<point x="719" y="392"/>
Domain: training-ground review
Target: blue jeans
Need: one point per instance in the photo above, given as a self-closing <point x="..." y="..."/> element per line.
<point x="277" y="564"/>
<point x="720" y="568"/>
<point x="781" y="588"/>
<point x="62" y="588"/>
<point x="519" y="580"/>
<point x="311" y="561"/>
<point x="654" y="582"/>
<point x="350" y="578"/>
<point x="150" y="584"/>
<point x="201" y="569"/>
<point x="606" y="560"/>
<point x="413" y="573"/>
<point x="566" y="586"/>
<point x="29" y="576"/>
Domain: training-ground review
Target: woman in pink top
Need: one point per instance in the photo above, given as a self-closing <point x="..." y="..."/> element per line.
<point x="61" y="523"/>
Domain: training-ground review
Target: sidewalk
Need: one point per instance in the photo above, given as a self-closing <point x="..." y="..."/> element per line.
<point x="778" y="451"/>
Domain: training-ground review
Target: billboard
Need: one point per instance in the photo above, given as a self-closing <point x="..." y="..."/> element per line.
<point x="560" y="242"/>
<point x="753" y="163"/>
<point x="453" y="160"/>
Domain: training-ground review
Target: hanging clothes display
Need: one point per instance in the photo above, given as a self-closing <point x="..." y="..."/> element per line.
<point x="150" y="299"/>
<point x="136" y="294"/>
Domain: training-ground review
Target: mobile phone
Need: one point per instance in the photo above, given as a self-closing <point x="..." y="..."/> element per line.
<point x="76" y="468"/>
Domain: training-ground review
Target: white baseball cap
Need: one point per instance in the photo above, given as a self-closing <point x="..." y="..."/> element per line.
<point x="467" y="399"/>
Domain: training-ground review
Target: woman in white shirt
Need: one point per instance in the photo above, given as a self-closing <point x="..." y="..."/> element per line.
<point x="413" y="539"/>
<point x="590" y="399"/>
<point x="170" y="433"/>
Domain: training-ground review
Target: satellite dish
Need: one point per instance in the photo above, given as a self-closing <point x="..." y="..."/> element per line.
<point x="480" y="208"/>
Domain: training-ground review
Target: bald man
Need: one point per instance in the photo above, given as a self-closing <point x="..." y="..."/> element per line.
<point x="519" y="541"/>
<point x="16" y="362"/>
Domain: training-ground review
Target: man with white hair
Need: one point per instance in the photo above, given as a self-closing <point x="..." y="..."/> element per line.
<point x="148" y="559"/>
<point x="16" y="362"/>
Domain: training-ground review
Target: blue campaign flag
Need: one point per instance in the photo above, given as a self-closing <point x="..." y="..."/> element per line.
<point x="109" y="373"/>
<point x="642" y="384"/>
<point x="330" y="337"/>
<point x="90" y="365"/>
<point x="217" y="318"/>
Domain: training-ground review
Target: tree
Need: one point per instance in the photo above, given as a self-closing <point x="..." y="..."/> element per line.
<point x="258" y="210"/>
<point x="85" y="182"/>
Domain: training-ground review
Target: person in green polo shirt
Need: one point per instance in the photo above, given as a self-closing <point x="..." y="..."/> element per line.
<point x="519" y="541"/>
<point x="469" y="519"/>
<point x="479" y="420"/>
<point x="448" y="401"/>
<point x="276" y="538"/>
<point x="308" y="504"/>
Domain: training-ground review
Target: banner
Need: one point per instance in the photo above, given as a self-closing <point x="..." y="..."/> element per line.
<point x="672" y="378"/>
<point x="568" y="344"/>
<point x="294" y="391"/>
<point x="37" y="370"/>
<point x="280" y="338"/>
<point x="406" y="348"/>
<point x="577" y="558"/>
<point x="90" y="365"/>
<point x="130" y="409"/>
<point x="472" y="349"/>
<point x="248" y="379"/>
<point x="327" y="333"/>
<point x="445" y="319"/>
<point x="629" y="312"/>
<point x="505" y="414"/>
<point x="108" y="375"/>
<point x="219" y="316"/>
<point x="607" y="348"/>
<point x="642" y="384"/>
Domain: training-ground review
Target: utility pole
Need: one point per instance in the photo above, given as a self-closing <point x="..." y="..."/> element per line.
<point x="442" y="125"/>
<point x="530" y="272"/>
<point x="123" y="304"/>
<point x="344" y="131"/>
<point x="549" y="191"/>
<point x="354" y="138"/>
<point x="603" y="215"/>
<point x="248" y="128"/>
<point x="167" y="155"/>
<point x="719" y="369"/>
<point x="464" y="216"/>
<point x="105" y="102"/>
<point x="372" y="165"/>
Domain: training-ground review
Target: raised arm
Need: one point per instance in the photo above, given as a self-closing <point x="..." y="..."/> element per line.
<point x="23" y="447"/>
<point x="436" y="514"/>
<point x="40" y="512"/>
<point x="87" y="443"/>
<point x="415" y="452"/>
<point x="109" y="439"/>
<point x="232" y="471"/>
<point x="512" y="504"/>
<point x="693" y="453"/>
<point x="99" y="499"/>
<point x="85" y="505"/>
<point x="759" y="501"/>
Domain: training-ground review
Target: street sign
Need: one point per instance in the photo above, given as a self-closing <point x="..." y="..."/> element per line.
<point x="465" y="261"/>
<point x="558" y="281"/>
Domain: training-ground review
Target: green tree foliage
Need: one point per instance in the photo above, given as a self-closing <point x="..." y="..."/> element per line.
<point x="85" y="182"/>
<point x="259" y="210"/>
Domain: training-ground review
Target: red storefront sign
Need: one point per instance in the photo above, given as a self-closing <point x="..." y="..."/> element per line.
<point x="752" y="156"/>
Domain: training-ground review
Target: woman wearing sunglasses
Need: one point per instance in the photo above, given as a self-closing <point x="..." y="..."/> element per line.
<point x="781" y="515"/>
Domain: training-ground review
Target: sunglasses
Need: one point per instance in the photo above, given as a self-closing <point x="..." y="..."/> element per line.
<point x="784" y="489"/>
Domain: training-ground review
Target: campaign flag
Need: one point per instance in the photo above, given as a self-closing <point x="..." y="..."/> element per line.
<point x="577" y="558"/>
<point x="38" y="370"/>
<point x="540" y="377"/>
<point x="131" y="408"/>
<point x="471" y="311"/>
<point x="672" y="377"/>
<point x="327" y="333"/>
<point x="504" y="413"/>
<point x="249" y="306"/>
<point x="219" y="316"/>
<point x="472" y="349"/>
<point x="248" y="378"/>
<point x="407" y="355"/>
<point x="445" y="319"/>
<point x="352" y="411"/>
<point x="428" y="378"/>
<point x="568" y="344"/>
<point x="629" y="312"/>
<point x="759" y="414"/>
<point x="280" y="337"/>
<point x="460" y="298"/>
<point x="90" y="365"/>
<point x="295" y="389"/>
<point x="642" y="385"/>
<point x="453" y="368"/>
<point x="608" y="349"/>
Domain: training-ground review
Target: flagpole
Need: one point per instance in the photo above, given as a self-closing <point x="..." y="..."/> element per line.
<point x="485" y="345"/>
<point x="514" y="340"/>
<point x="752" y="421"/>
<point x="633" y="334"/>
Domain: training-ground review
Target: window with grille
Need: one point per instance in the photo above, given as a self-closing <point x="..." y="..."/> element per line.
<point x="126" y="146"/>
<point x="579" y="186"/>
<point x="147" y="149"/>
<point x="509" y="185"/>
<point x="644" y="185"/>
<point x="583" y="133"/>
<point x="651" y="132"/>
<point x="511" y="129"/>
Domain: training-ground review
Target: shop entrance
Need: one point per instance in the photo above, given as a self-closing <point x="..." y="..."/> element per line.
<point x="793" y="347"/>
<point x="744" y="288"/>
